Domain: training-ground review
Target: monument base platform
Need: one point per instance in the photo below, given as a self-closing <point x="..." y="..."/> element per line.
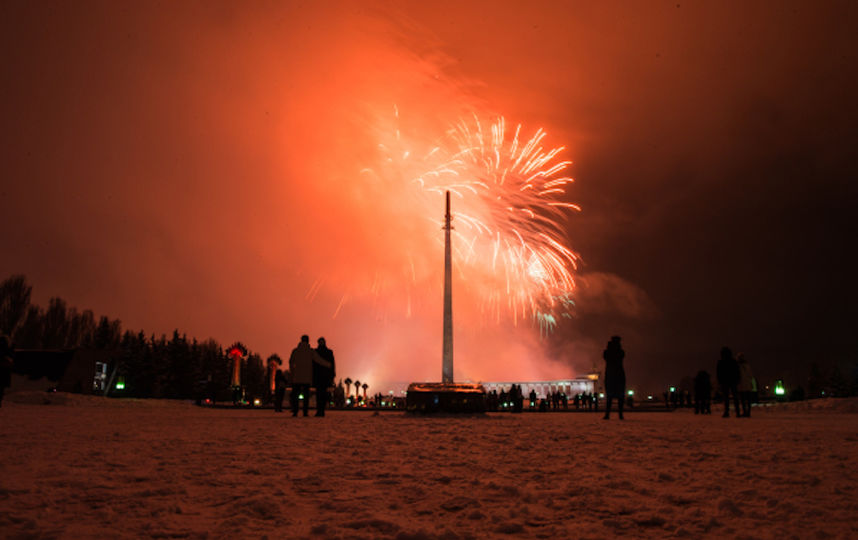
<point x="430" y="398"/>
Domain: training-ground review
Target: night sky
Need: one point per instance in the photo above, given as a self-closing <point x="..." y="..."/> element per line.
<point x="194" y="165"/>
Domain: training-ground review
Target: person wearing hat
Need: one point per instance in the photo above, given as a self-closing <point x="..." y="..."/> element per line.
<point x="302" y="364"/>
<point x="747" y="385"/>
<point x="615" y="376"/>
<point x="727" y="372"/>
<point x="323" y="375"/>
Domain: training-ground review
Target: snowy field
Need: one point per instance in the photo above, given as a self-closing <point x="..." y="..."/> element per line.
<point x="86" y="467"/>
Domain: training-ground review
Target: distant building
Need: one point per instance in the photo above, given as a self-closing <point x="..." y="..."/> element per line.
<point x="570" y="387"/>
<point x="66" y="370"/>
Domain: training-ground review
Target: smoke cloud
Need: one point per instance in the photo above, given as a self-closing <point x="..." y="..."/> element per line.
<point x="204" y="167"/>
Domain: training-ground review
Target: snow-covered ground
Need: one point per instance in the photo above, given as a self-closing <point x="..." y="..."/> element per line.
<point x="91" y="467"/>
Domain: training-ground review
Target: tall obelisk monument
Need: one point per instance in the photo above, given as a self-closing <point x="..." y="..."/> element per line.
<point x="447" y="359"/>
<point x="446" y="396"/>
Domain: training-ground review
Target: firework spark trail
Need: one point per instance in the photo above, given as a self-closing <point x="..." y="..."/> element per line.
<point x="510" y="251"/>
<point x="509" y="207"/>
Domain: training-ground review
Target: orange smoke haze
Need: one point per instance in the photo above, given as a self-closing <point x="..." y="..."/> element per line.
<point x="203" y="167"/>
<point x="229" y="188"/>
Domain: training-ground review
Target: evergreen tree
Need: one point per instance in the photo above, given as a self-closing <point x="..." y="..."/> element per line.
<point x="815" y="382"/>
<point x="853" y="368"/>
<point x="56" y="324"/>
<point x="81" y="329"/>
<point x="158" y="364"/>
<point x="217" y="369"/>
<point x="107" y="334"/>
<point x="253" y="377"/>
<point x="838" y="383"/>
<point x="133" y="365"/>
<point x="29" y="334"/>
<point x="179" y="374"/>
<point x="144" y="373"/>
<point x="151" y="367"/>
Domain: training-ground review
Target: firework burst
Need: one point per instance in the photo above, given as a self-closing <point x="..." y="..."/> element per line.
<point x="508" y="212"/>
<point x="509" y="217"/>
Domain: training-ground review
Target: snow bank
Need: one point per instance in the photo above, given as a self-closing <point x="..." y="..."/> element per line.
<point x="34" y="397"/>
<point x="98" y="467"/>
<point x="825" y="405"/>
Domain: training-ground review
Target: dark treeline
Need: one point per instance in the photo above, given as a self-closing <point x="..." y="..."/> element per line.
<point x="157" y="367"/>
<point x="182" y="368"/>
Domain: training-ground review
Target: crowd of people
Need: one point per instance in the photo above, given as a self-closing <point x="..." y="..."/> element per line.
<point x="735" y="382"/>
<point x="735" y="379"/>
<point x="512" y="399"/>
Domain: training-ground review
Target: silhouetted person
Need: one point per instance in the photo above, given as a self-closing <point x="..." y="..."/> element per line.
<point x="323" y="376"/>
<point x="747" y="385"/>
<point x="728" y="379"/>
<point x="7" y="359"/>
<point x="340" y="395"/>
<point x="615" y="376"/>
<point x="532" y="398"/>
<point x="702" y="393"/>
<point x="279" y="389"/>
<point x="301" y="368"/>
<point x="492" y="400"/>
<point x="514" y="392"/>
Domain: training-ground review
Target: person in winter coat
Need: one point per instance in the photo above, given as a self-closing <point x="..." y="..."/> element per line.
<point x="747" y="385"/>
<point x="615" y="375"/>
<point x="280" y="383"/>
<point x="301" y="368"/>
<point x="728" y="380"/>
<point x="323" y="377"/>
<point x="702" y="393"/>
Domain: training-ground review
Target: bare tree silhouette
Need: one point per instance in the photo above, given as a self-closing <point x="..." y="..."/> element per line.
<point x="14" y="303"/>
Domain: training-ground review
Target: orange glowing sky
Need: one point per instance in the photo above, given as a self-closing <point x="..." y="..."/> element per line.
<point x="197" y="166"/>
